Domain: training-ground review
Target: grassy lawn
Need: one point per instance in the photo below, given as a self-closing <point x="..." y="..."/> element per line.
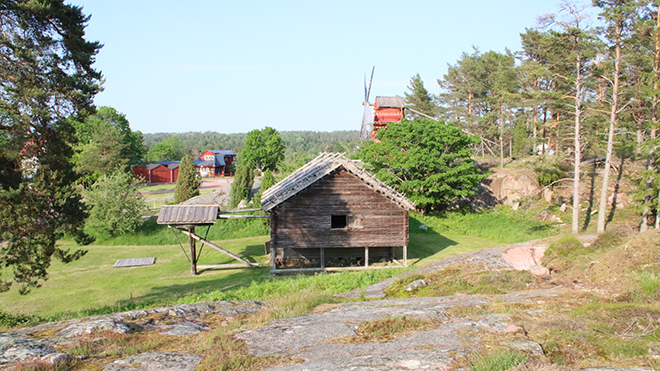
<point x="92" y="286"/>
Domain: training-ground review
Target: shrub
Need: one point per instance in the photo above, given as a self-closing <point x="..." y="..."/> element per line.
<point x="547" y="174"/>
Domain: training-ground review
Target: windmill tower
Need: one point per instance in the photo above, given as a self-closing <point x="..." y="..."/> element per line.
<point x="383" y="111"/>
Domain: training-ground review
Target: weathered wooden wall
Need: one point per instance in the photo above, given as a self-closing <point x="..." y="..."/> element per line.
<point x="304" y="220"/>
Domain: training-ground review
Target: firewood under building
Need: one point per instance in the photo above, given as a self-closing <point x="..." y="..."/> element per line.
<point x="332" y="214"/>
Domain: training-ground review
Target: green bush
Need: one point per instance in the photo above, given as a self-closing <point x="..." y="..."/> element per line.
<point x="548" y="173"/>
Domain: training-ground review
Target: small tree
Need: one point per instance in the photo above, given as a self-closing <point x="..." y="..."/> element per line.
<point x="427" y="160"/>
<point x="267" y="181"/>
<point x="116" y="204"/>
<point x="242" y="185"/>
<point x="263" y="149"/>
<point x="188" y="182"/>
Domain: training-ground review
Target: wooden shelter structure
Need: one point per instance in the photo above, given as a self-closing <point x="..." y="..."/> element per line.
<point x="332" y="208"/>
<point x="186" y="218"/>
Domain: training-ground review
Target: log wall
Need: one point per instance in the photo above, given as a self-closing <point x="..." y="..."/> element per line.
<point x="304" y="220"/>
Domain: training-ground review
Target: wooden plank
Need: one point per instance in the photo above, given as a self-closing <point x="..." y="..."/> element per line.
<point x="220" y="266"/>
<point x="240" y="211"/>
<point x="212" y="245"/>
<point x="222" y="216"/>
<point x="136" y="262"/>
<point x="331" y="269"/>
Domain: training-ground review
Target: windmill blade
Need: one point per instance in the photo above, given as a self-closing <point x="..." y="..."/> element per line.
<point x="368" y="92"/>
<point x="368" y="115"/>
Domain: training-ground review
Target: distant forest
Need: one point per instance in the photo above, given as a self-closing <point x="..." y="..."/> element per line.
<point x="298" y="143"/>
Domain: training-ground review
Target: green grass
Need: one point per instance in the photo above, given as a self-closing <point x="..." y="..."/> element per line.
<point x="158" y="187"/>
<point x="91" y="286"/>
<point x="498" y="361"/>
<point x="500" y="225"/>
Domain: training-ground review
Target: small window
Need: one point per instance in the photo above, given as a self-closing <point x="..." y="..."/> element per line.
<point x="209" y="157"/>
<point x="338" y="221"/>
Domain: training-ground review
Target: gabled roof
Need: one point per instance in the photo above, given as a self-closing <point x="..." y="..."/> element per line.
<point x="155" y="165"/>
<point x="187" y="214"/>
<point x="390" y="102"/>
<point x="319" y="167"/>
<point x="226" y="152"/>
<point x="219" y="161"/>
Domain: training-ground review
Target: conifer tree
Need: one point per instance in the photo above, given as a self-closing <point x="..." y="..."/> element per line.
<point x="242" y="185"/>
<point x="188" y="182"/>
<point x="419" y="98"/>
<point x="46" y="77"/>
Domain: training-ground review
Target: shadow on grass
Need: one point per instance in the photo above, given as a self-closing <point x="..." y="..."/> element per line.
<point x="169" y="294"/>
<point x="425" y="241"/>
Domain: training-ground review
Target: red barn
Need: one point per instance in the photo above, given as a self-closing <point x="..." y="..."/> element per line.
<point x="159" y="173"/>
<point x="141" y="173"/>
<point x="387" y="110"/>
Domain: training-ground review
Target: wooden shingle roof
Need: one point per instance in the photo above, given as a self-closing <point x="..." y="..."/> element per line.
<point x="319" y="167"/>
<point x="390" y="102"/>
<point x="188" y="214"/>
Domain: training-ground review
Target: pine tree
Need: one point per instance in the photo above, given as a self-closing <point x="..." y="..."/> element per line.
<point x="419" y="98"/>
<point x="618" y="15"/>
<point x="188" y="182"/>
<point x="46" y="77"/>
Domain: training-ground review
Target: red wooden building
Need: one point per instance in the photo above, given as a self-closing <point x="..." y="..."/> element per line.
<point x="211" y="163"/>
<point x="214" y="162"/>
<point x="386" y="110"/>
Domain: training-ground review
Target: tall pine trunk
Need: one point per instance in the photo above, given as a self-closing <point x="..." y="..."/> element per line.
<point x="578" y="146"/>
<point x="610" y="137"/>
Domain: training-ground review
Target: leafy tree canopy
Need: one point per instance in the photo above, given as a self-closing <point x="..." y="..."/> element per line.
<point x="170" y="149"/>
<point x="46" y="77"/>
<point x="116" y="204"/>
<point x="427" y="160"/>
<point x="104" y="153"/>
<point x="263" y="149"/>
<point x="133" y="144"/>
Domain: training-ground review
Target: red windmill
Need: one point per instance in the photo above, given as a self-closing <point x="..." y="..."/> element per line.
<point x="385" y="111"/>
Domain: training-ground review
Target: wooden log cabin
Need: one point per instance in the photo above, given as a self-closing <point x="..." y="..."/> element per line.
<point x="331" y="214"/>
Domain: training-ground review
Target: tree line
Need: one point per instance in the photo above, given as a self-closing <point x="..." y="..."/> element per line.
<point x="169" y="146"/>
<point x="574" y="89"/>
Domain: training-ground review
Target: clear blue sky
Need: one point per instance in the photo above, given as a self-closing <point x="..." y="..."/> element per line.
<point x="234" y="66"/>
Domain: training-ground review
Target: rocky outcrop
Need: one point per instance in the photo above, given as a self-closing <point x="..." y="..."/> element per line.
<point x="179" y="320"/>
<point x="319" y="338"/>
<point x="510" y="185"/>
<point x="156" y="361"/>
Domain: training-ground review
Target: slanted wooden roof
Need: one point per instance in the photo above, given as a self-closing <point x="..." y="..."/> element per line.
<point x="390" y="102"/>
<point x="188" y="214"/>
<point x="319" y="167"/>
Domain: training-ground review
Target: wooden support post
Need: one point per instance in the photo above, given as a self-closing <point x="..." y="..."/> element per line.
<point x="322" y="258"/>
<point x="273" y="258"/>
<point x="192" y="235"/>
<point x="366" y="257"/>
<point x="405" y="255"/>
<point x="193" y="251"/>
